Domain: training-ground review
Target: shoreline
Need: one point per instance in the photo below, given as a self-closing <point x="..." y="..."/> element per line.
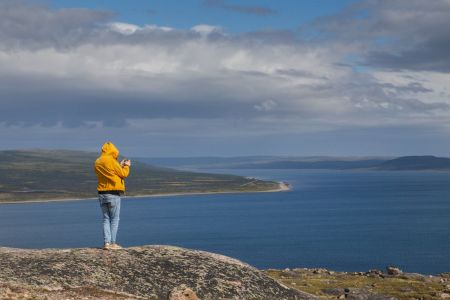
<point x="282" y="187"/>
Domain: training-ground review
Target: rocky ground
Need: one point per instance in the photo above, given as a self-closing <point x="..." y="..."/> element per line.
<point x="374" y="284"/>
<point x="173" y="273"/>
<point x="148" y="272"/>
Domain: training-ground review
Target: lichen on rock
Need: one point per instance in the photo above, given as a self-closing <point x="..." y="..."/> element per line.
<point x="147" y="272"/>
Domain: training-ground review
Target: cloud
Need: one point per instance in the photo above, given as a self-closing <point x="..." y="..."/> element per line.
<point x="206" y="29"/>
<point x="395" y="35"/>
<point x="244" y="9"/>
<point x="267" y="105"/>
<point x="124" y="28"/>
<point x="79" y="71"/>
<point x="27" y="25"/>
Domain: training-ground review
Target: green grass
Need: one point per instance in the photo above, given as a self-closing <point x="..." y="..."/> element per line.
<point x="61" y="174"/>
<point x="400" y="287"/>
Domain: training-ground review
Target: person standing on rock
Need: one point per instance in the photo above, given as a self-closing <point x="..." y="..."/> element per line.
<point x="111" y="175"/>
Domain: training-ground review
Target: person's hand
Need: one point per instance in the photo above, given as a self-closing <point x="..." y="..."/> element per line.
<point x="126" y="162"/>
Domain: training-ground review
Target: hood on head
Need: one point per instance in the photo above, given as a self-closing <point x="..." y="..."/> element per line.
<point x="108" y="148"/>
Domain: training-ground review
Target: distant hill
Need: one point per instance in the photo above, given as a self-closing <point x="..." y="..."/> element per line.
<point x="206" y="162"/>
<point x="268" y="162"/>
<point x="427" y="162"/>
<point x="60" y="174"/>
<point x="326" y="164"/>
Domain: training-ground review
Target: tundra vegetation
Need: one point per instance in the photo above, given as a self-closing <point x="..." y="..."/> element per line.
<point x="58" y="174"/>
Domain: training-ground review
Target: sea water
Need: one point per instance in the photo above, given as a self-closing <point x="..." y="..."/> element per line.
<point x="340" y="220"/>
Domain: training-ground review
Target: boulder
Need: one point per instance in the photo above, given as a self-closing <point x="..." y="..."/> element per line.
<point x="147" y="272"/>
<point x="391" y="270"/>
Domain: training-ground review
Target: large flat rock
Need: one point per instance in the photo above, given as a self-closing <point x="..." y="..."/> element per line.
<point x="148" y="271"/>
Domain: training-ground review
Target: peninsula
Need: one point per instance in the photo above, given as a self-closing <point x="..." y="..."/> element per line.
<point x="43" y="175"/>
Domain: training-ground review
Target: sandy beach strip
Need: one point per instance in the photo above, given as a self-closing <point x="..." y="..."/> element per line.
<point x="282" y="187"/>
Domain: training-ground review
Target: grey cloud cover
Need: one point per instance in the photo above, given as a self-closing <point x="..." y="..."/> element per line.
<point x="396" y="35"/>
<point x="76" y="70"/>
<point x="30" y="25"/>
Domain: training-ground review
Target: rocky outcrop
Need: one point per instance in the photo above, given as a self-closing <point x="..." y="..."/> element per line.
<point x="148" y="272"/>
<point x="371" y="285"/>
<point x="391" y="270"/>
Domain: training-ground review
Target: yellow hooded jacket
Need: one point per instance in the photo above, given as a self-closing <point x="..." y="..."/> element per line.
<point x="109" y="172"/>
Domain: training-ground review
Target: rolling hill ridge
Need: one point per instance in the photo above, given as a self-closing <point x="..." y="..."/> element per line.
<point x="61" y="174"/>
<point x="425" y="162"/>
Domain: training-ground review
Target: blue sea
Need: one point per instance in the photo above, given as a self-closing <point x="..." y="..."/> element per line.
<point x="340" y="220"/>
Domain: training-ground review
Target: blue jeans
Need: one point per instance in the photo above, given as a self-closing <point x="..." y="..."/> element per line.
<point x="110" y="205"/>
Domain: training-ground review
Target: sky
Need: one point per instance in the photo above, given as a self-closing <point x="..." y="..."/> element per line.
<point x="225" y="77"/>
